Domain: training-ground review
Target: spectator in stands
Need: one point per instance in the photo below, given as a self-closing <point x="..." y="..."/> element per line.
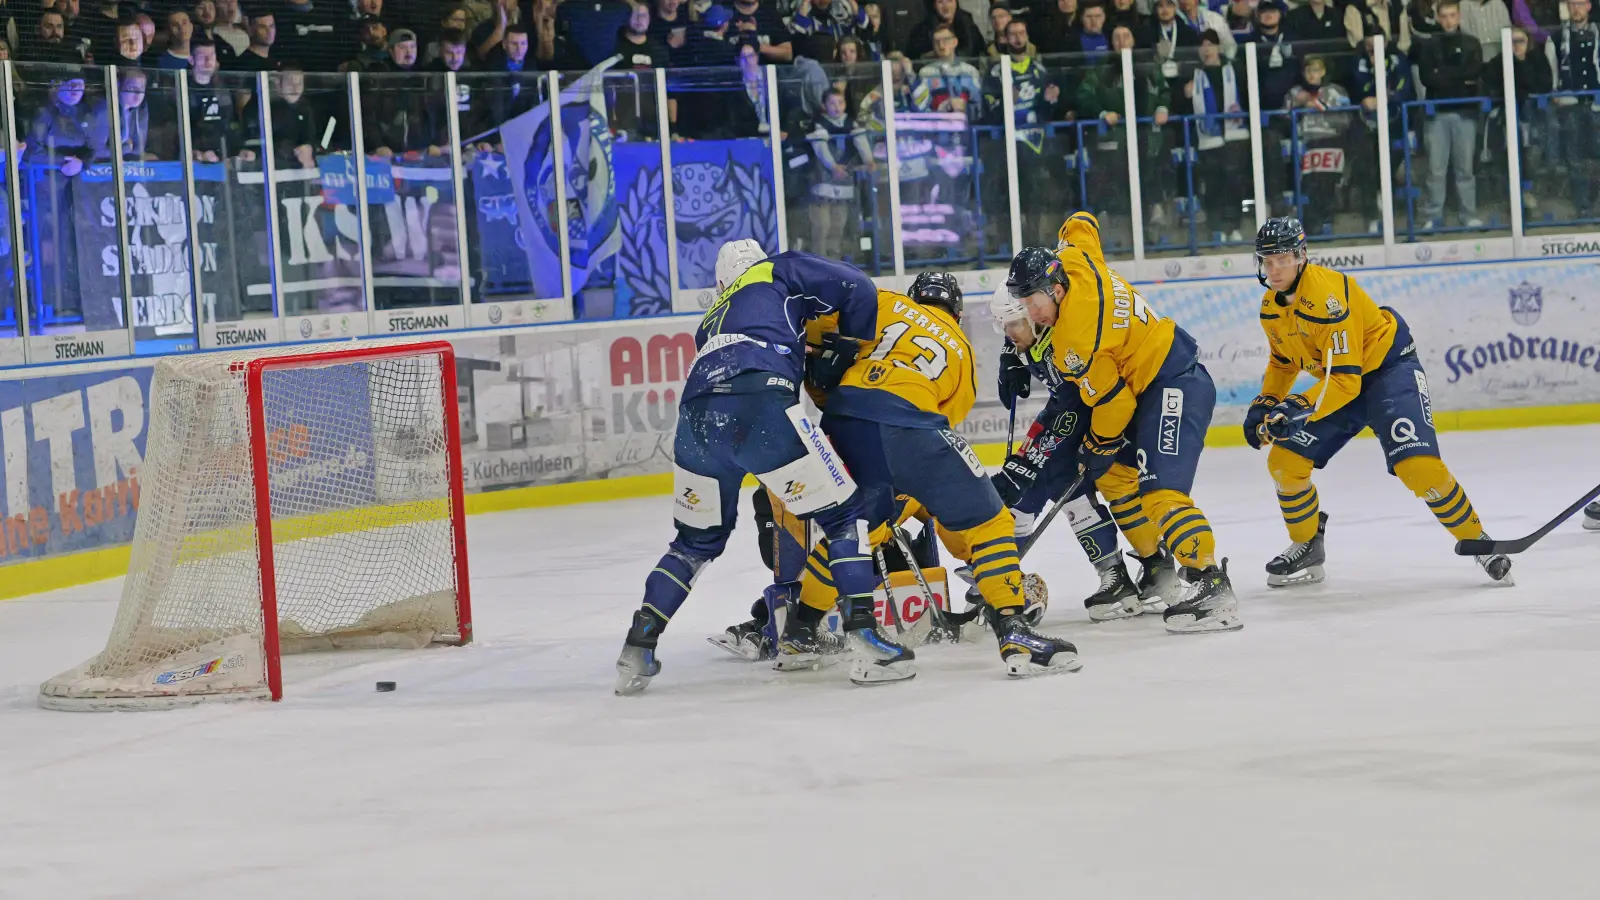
<point x="1577" y="47"/>
<point x="1483" y="20"/>
<point x="1124" y="14"/>
<point x="1202" y="18"/>
<point x="1530" y="75"/>
<point x="1402" y="87"/>
<point x="50" y="40"/>
<point x="306" y="33"/>
<point x="1093" y="41"/>
<point x="758" y="20"/>
<point x="1424" y="17"/>
<point x="1318" y="21"/>
<point x="232" y="29"/>
<point x="402" y="50"/>
<point x="871" y="34"/>
<point x="969" y="39"/>
<point x="135" y="120"/>
<point x="1450" y="65"/>
<point x="486" y="38"/>
<point x="258" y="56"/>
<point x="1057" y="27"/>
<point x="204" y="15"/>
<point x="1540" y="17"/>
<point x="472" y="103"/>
<point x="454" y="18"/>
<point x="1036" y="104"/>
<point x="130" y="48"/>
<point x="77" y="28"/>
<point x="1168" y="34"/>
<point x="59" y="135"/>
<point x="551" y="47"/>
<point x="296" y="132"/>
<point x="100" y="29"/>
<point x="1241" y="16"/>
<point x="1323" y="144"/>
<point x="669" y="27"/>
<point x="147" y="25"/>
<point x="1216" y="89"/>
<point x="1275" y="55"/>
<point x="711" y="43"/>
<point x="516" y="93"/>
<point x="372" y="53"/>
<point x="999" y="17"/>
<point x="949" y="84"/>
<point x="213" y="125"/>
<point x="1367" y="18"/>
<point x="590" y="27"/>
<point x="818" y="27"/>
<point x="180" y="28"/>
<point x="638" y="49"/>
<point x="855" y="76"/>
<point x="398" y="122"/>
<point x="1100" y="96"/>
<point x="835" y="154"/>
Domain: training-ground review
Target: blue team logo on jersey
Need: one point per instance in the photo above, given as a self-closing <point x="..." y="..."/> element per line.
<point x="1527" y="303"/>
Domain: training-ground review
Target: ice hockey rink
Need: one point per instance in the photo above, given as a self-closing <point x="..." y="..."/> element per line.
<point x="1404" y="730"/>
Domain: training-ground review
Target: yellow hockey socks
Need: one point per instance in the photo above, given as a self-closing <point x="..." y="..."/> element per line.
<point x="1184" y="527"/>
<point x="1428" y="478"/>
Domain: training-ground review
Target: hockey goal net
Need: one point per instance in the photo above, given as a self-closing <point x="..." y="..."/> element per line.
<point x="290" y="500"/>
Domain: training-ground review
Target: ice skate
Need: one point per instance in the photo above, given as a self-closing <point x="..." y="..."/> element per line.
<point x="875" y="658"/>
<point x="1208" y="605"/>
<point x="1027" y="652"/>
<point x="1159" y="585"/>
<point x="1300" y="563"/>
<point x="1498" y="565"/>
<point x="807" y="645"/>
<point x="757" y="638"/>
<point x="1118" y="596"/>
<point x="638" y="664"/>
<point x="1591" y="516"/>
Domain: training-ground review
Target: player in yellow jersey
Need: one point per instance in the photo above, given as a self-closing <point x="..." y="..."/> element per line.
<point x="1321" y="322"/>
<point x="892" y="420"/>
<point x="1150" y="403"/>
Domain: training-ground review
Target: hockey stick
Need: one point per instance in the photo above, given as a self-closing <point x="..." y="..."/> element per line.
<point x="1487" y="547"/>
<point x="888" y="591"/>
<point x="933" y="618"/>
<point x="1011" y="429"/>
<point x="961" y="618"/>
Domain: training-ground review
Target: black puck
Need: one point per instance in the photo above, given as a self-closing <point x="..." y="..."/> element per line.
<point x="385" y="686"/>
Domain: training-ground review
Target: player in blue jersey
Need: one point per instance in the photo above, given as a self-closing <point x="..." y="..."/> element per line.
<point x="1045" y="465"/>
<point x="741" y="414"/>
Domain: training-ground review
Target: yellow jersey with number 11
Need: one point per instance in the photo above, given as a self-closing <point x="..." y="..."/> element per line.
<point x="918" y="373"/>
<point x="1330" y="329"/>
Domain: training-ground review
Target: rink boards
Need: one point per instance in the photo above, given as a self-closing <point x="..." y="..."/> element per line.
<point x="579" y="412"/>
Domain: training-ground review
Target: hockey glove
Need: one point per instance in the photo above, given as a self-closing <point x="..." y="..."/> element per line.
<point x="1287" y="418"/>
<point x="1015" y="381"/>
<point x="1015" y="477"/>
<point x="1254" y="418"/>
<point x="1097" y="454"/>
<point x="826" y="367"/>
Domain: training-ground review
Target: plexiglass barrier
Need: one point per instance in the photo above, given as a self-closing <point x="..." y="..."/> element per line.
<point x="157" y="211"/>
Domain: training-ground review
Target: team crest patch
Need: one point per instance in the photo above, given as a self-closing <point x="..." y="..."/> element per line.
<point x="875" y="373"/>
<point x="1072" y="362"/>
<point x="1335" y="310"/>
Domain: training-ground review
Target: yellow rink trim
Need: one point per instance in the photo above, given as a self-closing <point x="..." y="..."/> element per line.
<point x="51" y="573"/>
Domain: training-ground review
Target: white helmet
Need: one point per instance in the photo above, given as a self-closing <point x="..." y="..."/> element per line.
<point x="734" y="258"/>
<point x="1006" y="309"/>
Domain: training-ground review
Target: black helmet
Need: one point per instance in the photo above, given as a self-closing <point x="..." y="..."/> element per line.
<point x="1034" y="269"/>
<point x="1283" y="234"/>
<point x="938" y="289"/>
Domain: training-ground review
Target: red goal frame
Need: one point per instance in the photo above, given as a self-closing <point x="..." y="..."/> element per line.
<point x="255" y="403"/>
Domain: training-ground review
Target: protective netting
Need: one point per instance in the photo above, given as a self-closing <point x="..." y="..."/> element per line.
<point x="362" y="538"/>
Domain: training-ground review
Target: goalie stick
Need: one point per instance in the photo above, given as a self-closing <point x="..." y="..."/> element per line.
<point x="1487" y="547"/>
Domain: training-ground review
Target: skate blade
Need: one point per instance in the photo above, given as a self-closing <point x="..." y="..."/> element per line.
<point x="1111" y="612"/>
<point x="1021" y="666"/>
<point x="1591" y="524"/>
<point x="869" y="673"/>
<point x="630" y="683"/>
<point x="807" y="662"/>
<point x="1190" y="625"/>
<point x="1313" y="575"/>
<point x="742" y="649"/>
<point x="1155" y="607"/>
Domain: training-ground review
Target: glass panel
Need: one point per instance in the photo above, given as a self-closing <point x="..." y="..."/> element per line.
<point x="829" y="168"/>
<point x="63" y="195"/>
<point x="514" y="250"/>
<point x="319" y="246"/>
<point x="158" y="211"/>
<point x="722" y="174"/>
<point x="1560" y="152"/>
<point x="876" y="243"/>
<point x="411" y="202"/>
<point x="993" y="201"/>
<point x="235" y="268"/>
<point x="1454" y="168"/>
<point x="941" y="223"/>
<point x="10" y="246"/>
<point x="1051" y="164"/>
<point x="635" y="281"/>
<point x="1321" y="147"/>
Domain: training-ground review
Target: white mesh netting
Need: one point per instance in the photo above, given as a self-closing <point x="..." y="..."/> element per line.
<point x="362" y="537"/>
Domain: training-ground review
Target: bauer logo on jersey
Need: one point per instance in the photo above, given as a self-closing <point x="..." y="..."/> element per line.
<point x="1527" y="303"/>
<point x="1171" y="421"/>
<point x="1073" y="363"/>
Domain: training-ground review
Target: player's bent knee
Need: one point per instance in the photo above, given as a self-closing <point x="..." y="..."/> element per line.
<point x="1290" y="471"/>
<point x="1118" y="481"/>
<point x="1425" y="475"/>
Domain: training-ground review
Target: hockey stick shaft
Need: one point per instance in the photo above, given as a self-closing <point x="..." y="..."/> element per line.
<point x="1060" y="503"/>
<point x="1485" y="547"/>
<point x="932" y="615"/>
<point x="1011" y="429"/>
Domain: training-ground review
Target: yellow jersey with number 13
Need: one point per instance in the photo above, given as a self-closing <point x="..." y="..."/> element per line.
<point x="918" y="373"/>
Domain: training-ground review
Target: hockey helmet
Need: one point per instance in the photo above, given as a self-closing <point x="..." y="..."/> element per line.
<point x="938" y="289"/>
<point x="734" y="258"/>
<point x="1009" y="313"/>
<point x="1283" y="234"/>
<point x="1032" y="271"/>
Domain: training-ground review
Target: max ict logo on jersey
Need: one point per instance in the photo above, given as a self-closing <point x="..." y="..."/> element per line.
<point x="1527" y="303"/>
<point x="1171" y="420"/>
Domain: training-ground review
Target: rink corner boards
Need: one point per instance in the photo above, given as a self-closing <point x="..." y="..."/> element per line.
<point x="51" y="573"/>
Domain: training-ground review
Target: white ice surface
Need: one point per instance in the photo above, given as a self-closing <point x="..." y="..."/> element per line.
<point x="1402" y="731"/>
